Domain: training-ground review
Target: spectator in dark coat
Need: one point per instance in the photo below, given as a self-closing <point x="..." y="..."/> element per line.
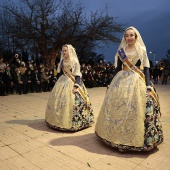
<point x="30" y="83"/>
<point x="155" y="74"/>
<point x="2" y="85"/>
<point x="8" y="80"/>
<point x="165" y="74"/>
<point x="45" y="79"/>
<point x="37" y="80"/>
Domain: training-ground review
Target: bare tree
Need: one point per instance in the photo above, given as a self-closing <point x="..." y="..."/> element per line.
<point x="43" y="26"/>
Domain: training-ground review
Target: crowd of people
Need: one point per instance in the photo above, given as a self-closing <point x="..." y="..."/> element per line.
<point x="21" y="77"/>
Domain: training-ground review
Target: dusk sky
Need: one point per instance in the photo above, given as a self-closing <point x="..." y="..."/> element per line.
<point x="150" y="17"/>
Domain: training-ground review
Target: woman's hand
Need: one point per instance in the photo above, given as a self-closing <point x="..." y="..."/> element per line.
<point x="74" y="90"/>
<point x="148" y="91"/>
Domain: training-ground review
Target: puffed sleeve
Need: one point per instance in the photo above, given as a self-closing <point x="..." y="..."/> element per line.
<point x="119" y="66"/>
<point x="76" y="69"/>
<point x="146" y="66"/>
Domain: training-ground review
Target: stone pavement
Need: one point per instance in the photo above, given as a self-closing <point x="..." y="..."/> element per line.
<point x="27" y="143"/>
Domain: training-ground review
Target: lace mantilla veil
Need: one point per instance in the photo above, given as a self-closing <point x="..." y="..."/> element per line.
<point x="73" y="58"/>
<point x="140" y="47"/>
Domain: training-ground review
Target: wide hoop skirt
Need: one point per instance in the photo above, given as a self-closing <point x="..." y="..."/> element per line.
<point x="67" y="111"/>
<point x="129" y="119"/>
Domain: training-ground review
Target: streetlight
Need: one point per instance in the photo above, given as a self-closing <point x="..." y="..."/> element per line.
<point x="154" y="55"/>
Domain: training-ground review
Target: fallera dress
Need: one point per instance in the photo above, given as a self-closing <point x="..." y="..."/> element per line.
<point x="65" y="110"/>
<point x="129" y="119"/>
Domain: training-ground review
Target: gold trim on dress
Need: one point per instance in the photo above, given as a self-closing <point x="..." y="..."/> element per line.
<point x="79" y="89"/>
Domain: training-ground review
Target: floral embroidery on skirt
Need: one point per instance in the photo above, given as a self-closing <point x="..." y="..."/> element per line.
<point x="66" y="111"/>
<point x="129" y="119"/>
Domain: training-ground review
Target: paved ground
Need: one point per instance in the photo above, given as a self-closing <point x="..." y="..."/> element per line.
<point x="27" y="143"/>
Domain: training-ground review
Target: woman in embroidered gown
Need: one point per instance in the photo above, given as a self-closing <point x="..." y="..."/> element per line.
<point x="69" y="107"/>
<point x="129" y="118"/>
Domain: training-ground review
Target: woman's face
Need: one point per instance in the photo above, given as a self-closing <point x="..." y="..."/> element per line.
<point x="65" y="52"/>
<point x="130" y="37"/>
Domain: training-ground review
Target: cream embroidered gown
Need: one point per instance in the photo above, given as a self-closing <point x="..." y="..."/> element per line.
<point x="129" y="119"/>
<point x="65" y="110"/>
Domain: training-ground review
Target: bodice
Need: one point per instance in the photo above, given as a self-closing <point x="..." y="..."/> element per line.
<point x="67" y="65"/>
<point x="133" y="57"/>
